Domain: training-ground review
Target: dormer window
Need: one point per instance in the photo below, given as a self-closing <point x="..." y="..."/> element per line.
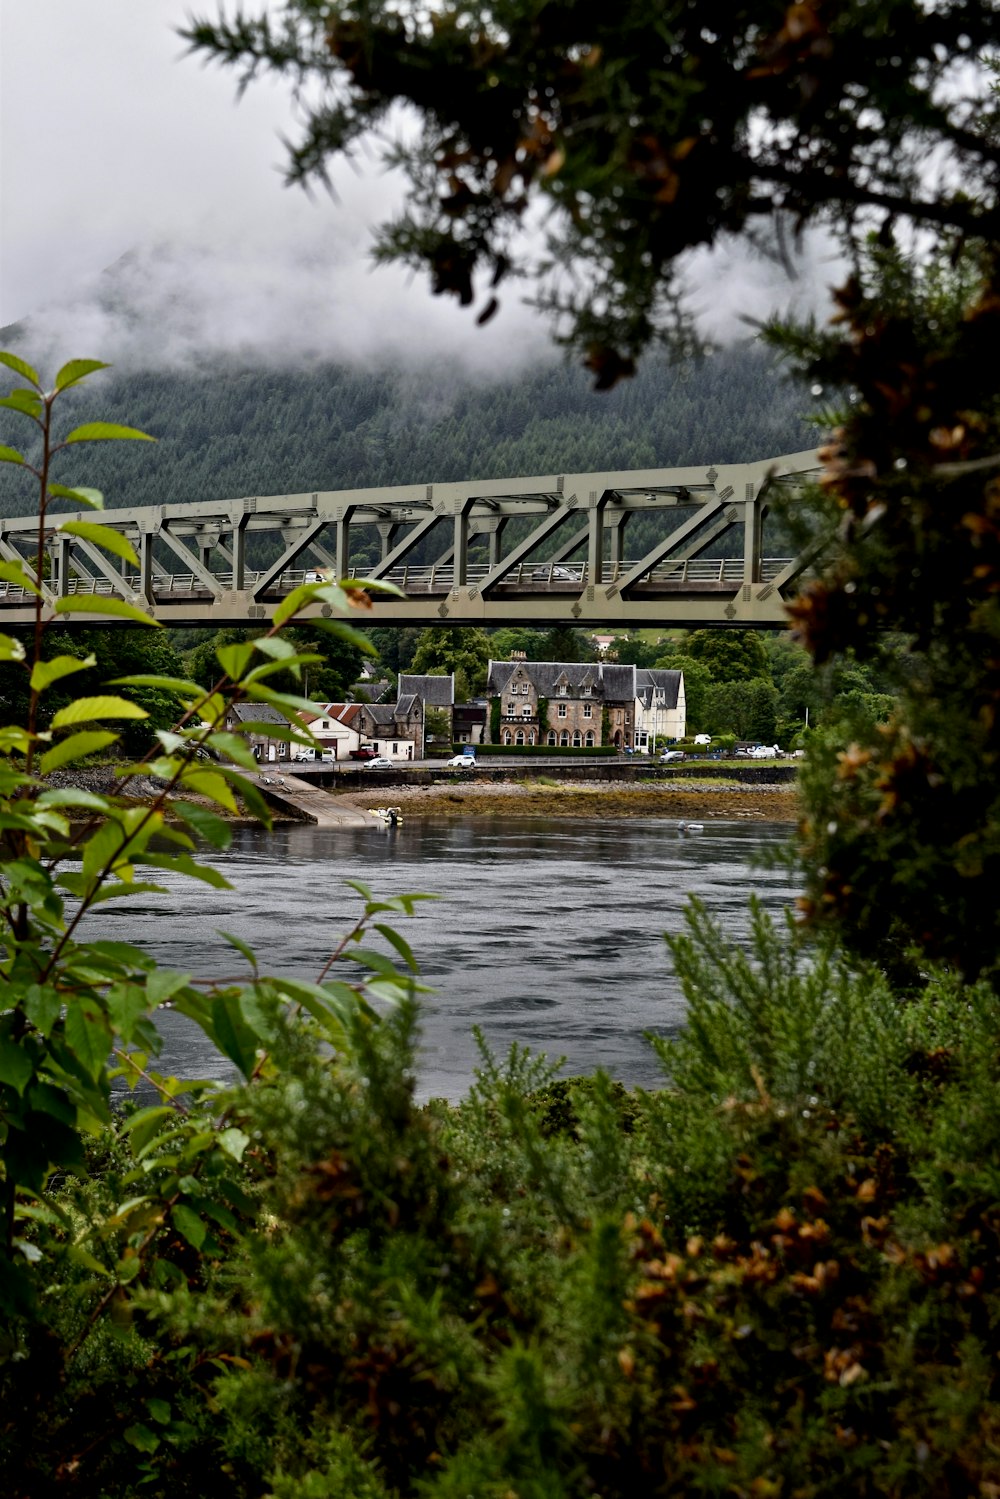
<point x="562" y="690"/>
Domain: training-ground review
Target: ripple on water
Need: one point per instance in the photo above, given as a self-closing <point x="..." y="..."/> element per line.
<point x="537" y="925"/>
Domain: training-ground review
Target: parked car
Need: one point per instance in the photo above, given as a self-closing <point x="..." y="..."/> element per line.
<point x="764" y="752"/>
<point x="366" y="752"/>
<point x="464" y="762"/>
<point x="672" y="755"/>
<point x="379" y="763"/>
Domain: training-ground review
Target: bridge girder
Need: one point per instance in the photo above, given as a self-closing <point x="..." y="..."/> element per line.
<point x="573" y="513"/>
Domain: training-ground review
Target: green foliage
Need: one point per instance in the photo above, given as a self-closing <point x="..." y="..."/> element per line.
<point x="902" y="815"/>
<point x="120" y="1186"/>
<point x="744" y="709"/>
<point x="730" y="655"/>
<point x="747" y="109"/>
<point x="443" y="649"/>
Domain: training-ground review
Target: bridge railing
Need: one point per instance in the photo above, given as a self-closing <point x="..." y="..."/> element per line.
<point x="438" y="578"/>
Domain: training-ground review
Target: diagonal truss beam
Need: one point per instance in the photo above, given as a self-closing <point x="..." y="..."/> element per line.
<point x="193" y="563"/>
<point x="524" y="549"/>
<point x="647" y="563"/>
<point x="120" y="585"/>
<point x="293" y="550"/>
<point x="409" y="541"/>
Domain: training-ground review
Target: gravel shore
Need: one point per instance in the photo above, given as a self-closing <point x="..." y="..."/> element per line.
<point x="529" y="798"/>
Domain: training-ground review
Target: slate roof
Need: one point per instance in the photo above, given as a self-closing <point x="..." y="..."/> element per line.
<point x="374" y="691"/>
<point x="436" y="692"/>
<point x="667" y="682"/>
<point x="256" y="713"/>
<point x="609" y="681"/>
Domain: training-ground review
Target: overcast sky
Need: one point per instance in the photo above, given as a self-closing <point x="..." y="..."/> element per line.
<point x="114" y="143"/>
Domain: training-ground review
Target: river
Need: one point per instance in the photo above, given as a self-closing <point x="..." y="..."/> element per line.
<point x="545" y="932"/>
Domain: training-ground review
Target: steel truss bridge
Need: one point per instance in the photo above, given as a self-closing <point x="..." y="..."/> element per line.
<point x="193" y="558"/>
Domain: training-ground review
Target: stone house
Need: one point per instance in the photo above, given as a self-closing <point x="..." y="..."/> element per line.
<point x="583" y="704"/>
<point x="396" y="729"/>
<point x="262" y="748"/>
<point x="434" y="692"/>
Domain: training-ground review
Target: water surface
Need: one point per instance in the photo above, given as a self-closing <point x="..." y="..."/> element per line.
<point x="548" y="932"/>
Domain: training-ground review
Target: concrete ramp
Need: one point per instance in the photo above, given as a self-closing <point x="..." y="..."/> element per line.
<point x="314" y="805"/>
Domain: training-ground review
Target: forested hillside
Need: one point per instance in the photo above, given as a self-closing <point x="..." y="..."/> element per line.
<point x="233" y="431"/>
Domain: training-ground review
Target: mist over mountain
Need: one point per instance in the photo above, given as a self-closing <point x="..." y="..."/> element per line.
<point x="229" y="430"/>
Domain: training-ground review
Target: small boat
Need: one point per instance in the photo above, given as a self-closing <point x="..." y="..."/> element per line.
<point x="389" y="815"/>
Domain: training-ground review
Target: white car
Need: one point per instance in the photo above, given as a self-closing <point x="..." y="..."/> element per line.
<point x="378" y="763"/>
<point x="671" y="755"/>
<point x="464" y="762"/>
<point x="764" y="752"/>
<point x="703" y="739"/>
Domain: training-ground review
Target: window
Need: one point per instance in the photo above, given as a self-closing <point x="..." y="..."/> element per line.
<point x="531" y="736"/>
<point x="519" y="737"/>
<point x="395" y="749"/>
<point x="585" y="691"/>
<point x="628" y="718"/>
<point x="589" y="738"/>
<point x="506" y="736"/>
<point x="551" y="737"/>
<point x="564" y="737"/>
<point x="562" y="691"/>
<point x="523" y="688"/>
<point x="526" y="711"/>
<point x="561" y="710"/>
<point x="576" y="739"/>
<point x="588" y="710"/>
<point x="511" y="709"/>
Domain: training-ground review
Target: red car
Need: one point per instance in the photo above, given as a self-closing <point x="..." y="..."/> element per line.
<point x="366" y="752"/>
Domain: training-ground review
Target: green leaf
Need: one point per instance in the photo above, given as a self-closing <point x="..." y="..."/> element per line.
<point x="102" y="536"/>
<point x="16" y="1067"/>
<point x="99" y="603"/>
<point x="234" y="659"/>
<point x="42" y="1006"/>
<point x="88" y="1037"/>
<point x="72" y="796"/>
<point x="90" y="497"/>
<point x="10" y="455"/>
<point x="87" y="709"/>
<point x="400" y="944"/>
<point x="210" y="783"/>
<point x="76" y="370"/>
<point x="44" y="673"/>
<point x="189" y="1225"/>
<point x="15" y="572"/>
<point x="20" y="368"/>
<point x="234" y="1142"/>
<point x="163" y="983"/>
<point x="106" y="432"/>
<point x="205" y="823"/>
<point x="11" y="649"/>
<point x="184" y="864"/>
<point x="160" y="1410"/>
<point x="350" y="634"/>
<point x="231" y="1033"/>
<point x="233" y="746"/>
<point x="283" y="701"/>
<point x="241" y="947"/>
<point x="141" y="1438"/>
<point x="127" y="1003"/>
<point x="29" y="402"/>
<point x="76" y="747"/>
<point x="180" y="685"/>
